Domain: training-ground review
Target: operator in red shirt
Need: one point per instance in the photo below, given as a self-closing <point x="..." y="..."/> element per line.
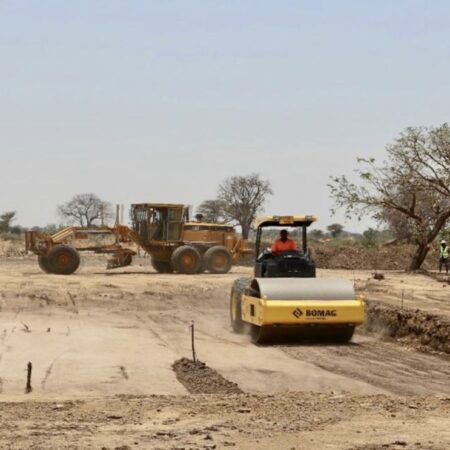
<point x="284" y="244"/>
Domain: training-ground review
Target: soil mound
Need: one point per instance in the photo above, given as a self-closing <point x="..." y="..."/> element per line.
<point x="428" y="330"/>
<point x="198" y="378"/>
<point x="358" y="257"/>
<point x="352" y="255"/>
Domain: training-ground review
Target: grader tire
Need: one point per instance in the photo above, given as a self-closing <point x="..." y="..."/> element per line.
<point x="236" y="304"/>
<point x="43" y="263"/>
<point x="162" y="266"/>
<point x="218" y="259"/>
<point x="63" y="260"/>
<point x="186" y="259"/>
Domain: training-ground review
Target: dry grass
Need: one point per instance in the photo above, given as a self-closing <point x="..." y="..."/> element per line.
<point x="10" y="248"/>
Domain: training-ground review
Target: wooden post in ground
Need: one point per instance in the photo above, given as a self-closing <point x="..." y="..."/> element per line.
<point x="28" y="388"/>
<point x="194" y="356"/>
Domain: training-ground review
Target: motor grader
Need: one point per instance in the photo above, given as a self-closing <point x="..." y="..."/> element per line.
<point x="285" y="300"/>
<point x="164" y="231"/>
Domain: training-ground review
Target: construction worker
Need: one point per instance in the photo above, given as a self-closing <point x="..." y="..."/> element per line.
<point x="443" y="256"/>
<point x="284" y="244"/>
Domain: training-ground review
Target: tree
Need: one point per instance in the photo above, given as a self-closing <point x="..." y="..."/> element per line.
<point x="6" y="220"/>
<point x="85" y="210"/>
<point x="371" y="237"/>
<point x="242" y="198"/>
<point x="212" y="211"/>
<point x="413" y="182"/>
<point x="401" y="226"/>
<point x="335" y="229"/>
<point x="316" y="235"/>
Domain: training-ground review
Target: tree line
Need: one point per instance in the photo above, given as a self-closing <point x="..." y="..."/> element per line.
<point x="409" y="192"/>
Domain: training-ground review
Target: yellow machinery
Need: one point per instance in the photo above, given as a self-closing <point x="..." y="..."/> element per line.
<point x="160" y="229"/>
<point x="284" y="299"/>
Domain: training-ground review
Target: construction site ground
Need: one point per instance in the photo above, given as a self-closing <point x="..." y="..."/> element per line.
<point x="103" y="344"/>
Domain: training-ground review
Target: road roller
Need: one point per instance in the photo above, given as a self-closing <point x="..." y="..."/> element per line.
<point x="284" y="300"/>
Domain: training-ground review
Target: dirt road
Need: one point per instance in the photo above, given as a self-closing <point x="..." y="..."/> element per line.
<point x="98" y="333"/>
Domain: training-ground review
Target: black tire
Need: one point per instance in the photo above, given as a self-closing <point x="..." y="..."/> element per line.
<point x="186" y="259"/>
<point x="343" y="335"/>
<point x="237" y="291"/>
<point x="63" y="260"/>
<point x="218" y="259"/>
<point x="43" y="263"/>
<point x="162" y="266"/>
<point x="262" y="335"/>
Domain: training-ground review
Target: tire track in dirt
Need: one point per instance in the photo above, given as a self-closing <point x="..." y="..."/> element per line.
<point x="48" y="372"/>
<point x="253" y="368"/>
<point x="382" y="364"/>
<point x="387" y="366"/>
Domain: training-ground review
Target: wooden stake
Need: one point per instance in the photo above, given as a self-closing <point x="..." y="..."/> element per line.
<point x="28" y="388"/>
<point x="194" y="356"/>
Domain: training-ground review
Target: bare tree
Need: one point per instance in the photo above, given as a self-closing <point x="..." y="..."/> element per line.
<point x="401" y="226"/>
<point x="414" y="182"/>
<point x="212" y="211"/>
<point x="315" y="235"/>
<point x="85" y="210"/>
<point x="6" y="220"/>
<point x="242" y="198"/>
<point x="335" y="229"/>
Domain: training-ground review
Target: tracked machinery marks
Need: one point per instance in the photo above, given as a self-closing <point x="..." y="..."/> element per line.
<point x="142" y="324"/>
<point x="365" y="365"/>
<point x="385" y="365"/>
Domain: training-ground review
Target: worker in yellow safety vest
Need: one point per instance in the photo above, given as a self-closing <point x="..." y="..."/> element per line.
<point x="443" y="256"/>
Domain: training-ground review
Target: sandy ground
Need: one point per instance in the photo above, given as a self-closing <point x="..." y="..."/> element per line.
<point x="416" y="291"/>
<point x="95" y="335"/>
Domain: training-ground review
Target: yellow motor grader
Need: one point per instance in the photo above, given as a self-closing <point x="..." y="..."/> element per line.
<point x="163" y="230"/>
<point x="284" y="299"/>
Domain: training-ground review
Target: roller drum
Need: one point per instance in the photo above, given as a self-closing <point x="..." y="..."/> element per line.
<point x="305" y="289"/>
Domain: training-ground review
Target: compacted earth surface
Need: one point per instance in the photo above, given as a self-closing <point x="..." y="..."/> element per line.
<point x="111" y="365"/>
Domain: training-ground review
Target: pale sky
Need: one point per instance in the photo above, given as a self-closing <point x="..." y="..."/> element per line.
<point x="159" y="101"/>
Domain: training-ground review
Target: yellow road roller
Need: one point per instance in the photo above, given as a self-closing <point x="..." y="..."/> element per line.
<point x="284" y="300"/>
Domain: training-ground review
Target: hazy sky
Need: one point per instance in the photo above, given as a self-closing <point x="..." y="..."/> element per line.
<point x="143" y="100"/>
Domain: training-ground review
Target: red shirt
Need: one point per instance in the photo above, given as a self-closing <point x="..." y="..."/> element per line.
<point x="287" y="246"/>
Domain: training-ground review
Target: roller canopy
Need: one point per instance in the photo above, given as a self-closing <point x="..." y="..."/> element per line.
<point x="305" y="288"/>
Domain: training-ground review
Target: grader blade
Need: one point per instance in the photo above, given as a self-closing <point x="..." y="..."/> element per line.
<point x="119" y="260"/>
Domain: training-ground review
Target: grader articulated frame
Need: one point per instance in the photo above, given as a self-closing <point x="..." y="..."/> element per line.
<point x="161" y="230"/>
